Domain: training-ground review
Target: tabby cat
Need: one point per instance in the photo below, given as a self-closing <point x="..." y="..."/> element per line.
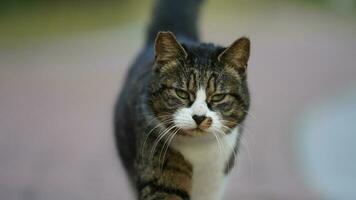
<point x="178" y="119"/>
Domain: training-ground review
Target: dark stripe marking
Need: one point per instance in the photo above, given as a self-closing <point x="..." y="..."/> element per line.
<point x="161" y="188"/>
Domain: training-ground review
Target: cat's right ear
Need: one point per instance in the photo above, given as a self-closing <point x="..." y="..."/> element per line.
<point x="167" y="48"/>
<point x="237" y="55"/>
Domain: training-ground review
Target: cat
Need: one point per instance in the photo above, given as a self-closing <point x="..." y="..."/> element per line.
<point x="180" y="114"/>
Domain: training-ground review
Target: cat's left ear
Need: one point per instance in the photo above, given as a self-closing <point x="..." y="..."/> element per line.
<point x="237" y="54"/>
<point x="167" y="48"/>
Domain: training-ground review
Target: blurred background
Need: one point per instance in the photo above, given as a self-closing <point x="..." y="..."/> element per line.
<point x="62" y="64"/>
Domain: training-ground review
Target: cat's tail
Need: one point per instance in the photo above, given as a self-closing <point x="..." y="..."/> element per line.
<point x="177" y="16"/>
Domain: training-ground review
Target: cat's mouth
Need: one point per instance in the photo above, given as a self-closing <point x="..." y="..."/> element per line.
<point x="193" y="132"/>
<point x="200" y="129"/>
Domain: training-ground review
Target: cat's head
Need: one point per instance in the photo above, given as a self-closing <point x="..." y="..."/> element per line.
<point x="199" y="90"/>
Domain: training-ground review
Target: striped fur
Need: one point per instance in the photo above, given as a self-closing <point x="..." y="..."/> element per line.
<point x="179" y="116"/>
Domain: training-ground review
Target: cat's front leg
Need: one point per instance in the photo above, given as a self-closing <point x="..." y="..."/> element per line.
<point x="162" y="196"/>
<point x="170" y="180"/>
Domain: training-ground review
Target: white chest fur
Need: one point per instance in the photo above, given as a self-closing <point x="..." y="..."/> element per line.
<point x="208" y="163"/>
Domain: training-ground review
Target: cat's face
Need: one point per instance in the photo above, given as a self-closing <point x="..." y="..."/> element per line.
<point x="200" y="90"/>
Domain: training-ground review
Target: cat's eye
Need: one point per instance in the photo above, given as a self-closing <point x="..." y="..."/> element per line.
<point x="218" y="97"/>
<point x="182" y="94"/>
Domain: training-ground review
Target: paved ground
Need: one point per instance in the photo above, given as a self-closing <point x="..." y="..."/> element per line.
<point x="57" y="97"/>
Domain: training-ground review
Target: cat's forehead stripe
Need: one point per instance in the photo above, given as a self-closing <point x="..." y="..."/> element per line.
<point x="199" y="79"/>
<point x="192" y="82"/>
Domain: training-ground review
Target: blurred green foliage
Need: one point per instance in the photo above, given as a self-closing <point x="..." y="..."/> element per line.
<point x="24" y="19"/>
<point x="10" y="5"/>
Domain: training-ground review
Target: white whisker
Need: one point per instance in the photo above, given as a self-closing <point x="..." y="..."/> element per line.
<point x="160" y="136"/>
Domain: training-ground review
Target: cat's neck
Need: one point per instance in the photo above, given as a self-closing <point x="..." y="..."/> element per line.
<point x="209" y="162"/>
